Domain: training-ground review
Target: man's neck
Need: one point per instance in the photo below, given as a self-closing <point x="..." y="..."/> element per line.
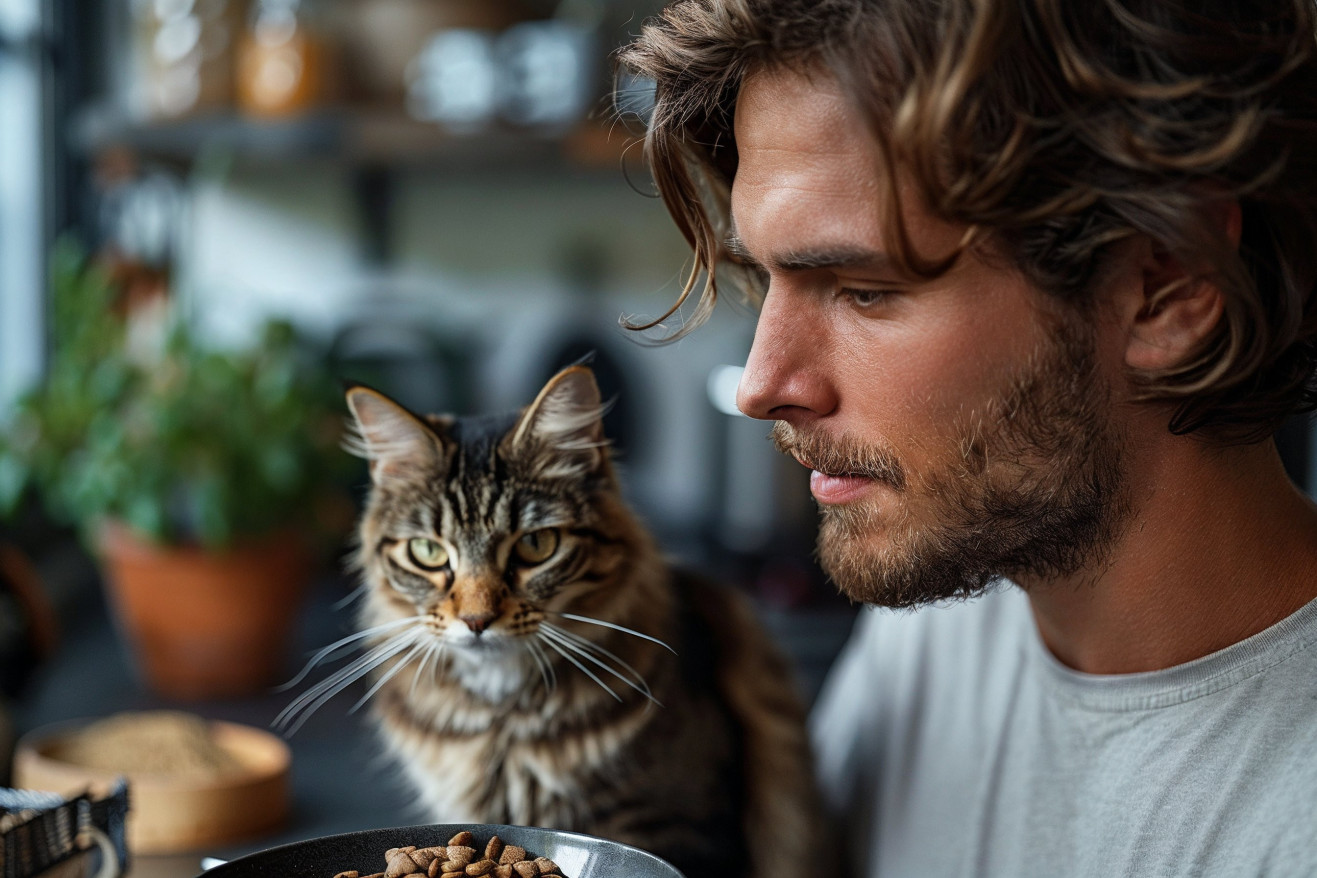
<point x="1219" y="546"/>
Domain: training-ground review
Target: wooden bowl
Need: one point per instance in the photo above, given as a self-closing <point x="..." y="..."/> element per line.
<point x="171" y="814"/>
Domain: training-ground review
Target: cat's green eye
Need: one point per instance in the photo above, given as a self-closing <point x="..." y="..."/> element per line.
<point x="537" y="546"/>
<point x="427" y="553"/>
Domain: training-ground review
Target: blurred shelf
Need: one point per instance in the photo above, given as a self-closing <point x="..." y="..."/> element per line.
<point x="352" y="137"/>
<point x="371" y="145"/>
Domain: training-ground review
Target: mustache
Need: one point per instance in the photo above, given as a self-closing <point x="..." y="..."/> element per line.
<point x="838" y="455"/>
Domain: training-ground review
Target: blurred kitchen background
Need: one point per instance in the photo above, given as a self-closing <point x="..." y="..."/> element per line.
<point x="211" y="211"/>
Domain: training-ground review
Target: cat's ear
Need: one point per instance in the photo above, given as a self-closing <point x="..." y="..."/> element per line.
<point x="397" y="443"/>
<point x="563" y="427"/>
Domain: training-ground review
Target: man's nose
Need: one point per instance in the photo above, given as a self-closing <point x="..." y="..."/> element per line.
<point x="785" y="374"/>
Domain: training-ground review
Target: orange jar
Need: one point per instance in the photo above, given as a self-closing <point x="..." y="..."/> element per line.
<point x="282" y="60"/>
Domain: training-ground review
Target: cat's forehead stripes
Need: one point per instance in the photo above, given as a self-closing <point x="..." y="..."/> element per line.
<point x="539" y="510"/>
<point x="477" y="489"/>
<point x="471" y="472"/>
<point x="470" y="499"/>
<point x="419" y="519"/>
<point x="476" y="434"/>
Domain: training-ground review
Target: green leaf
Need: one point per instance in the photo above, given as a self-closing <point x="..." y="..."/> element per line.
<point x="14" y="475"/>
<point x="203" y="444"/>
<point x="146" y="515"/>
<point x="211" y="515"/>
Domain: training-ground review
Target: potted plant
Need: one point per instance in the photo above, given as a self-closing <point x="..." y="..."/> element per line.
<point x="196" y="476"/>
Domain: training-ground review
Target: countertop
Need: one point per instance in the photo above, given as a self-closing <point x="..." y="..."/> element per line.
<point x="340" y="780"/>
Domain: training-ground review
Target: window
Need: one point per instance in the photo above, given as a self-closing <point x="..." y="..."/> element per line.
<point x="23" y="220"/>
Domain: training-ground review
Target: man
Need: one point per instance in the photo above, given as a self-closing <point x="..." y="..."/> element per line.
<point x="1036" y="284"/>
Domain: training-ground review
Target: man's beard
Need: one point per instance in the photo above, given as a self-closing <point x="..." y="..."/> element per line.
<point x="1035" y="489"/>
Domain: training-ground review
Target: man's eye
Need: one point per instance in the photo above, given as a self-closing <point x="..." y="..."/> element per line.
<point x="427" y="553"/>
<point x="864" y="298"/>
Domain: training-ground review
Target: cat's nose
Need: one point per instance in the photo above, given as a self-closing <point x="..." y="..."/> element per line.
<point x="477" y="622"/>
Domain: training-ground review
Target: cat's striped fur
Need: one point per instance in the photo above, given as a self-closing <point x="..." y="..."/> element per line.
<point x="699" y="756"/>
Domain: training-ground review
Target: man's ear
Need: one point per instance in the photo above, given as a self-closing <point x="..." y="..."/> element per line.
<point x="397" y="443"/>
<point x="1173" y="308"/>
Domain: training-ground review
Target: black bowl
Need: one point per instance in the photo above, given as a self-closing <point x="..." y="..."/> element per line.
<point x="577" y="856"/>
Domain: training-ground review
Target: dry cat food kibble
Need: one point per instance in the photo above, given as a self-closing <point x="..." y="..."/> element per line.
<point x="461" y="856"/>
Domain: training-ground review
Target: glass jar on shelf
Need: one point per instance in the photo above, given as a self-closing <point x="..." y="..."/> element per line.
<point x="284" y="66"/>
<point x="184" y="54"/>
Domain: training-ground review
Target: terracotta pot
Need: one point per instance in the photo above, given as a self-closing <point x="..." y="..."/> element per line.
<point x="205" y="624"/>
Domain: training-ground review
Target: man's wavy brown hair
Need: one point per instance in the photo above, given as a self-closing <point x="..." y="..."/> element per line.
<point x="1051" y="129"/>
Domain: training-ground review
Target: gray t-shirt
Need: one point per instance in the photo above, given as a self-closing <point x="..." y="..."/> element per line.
<point x="952" y="743"/>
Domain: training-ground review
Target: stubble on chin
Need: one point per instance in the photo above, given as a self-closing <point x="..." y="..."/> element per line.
<point x="1034" y="488"/>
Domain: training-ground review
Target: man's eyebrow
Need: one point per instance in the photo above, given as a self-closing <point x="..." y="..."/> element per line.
<point x="833" y="257"/>
<point x="812" y="259"/>
<point x="735" y="248"/>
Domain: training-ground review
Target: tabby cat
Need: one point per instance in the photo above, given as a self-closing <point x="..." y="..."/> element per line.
<point x="546" y="667"/>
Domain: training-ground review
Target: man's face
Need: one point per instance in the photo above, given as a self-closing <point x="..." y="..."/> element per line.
<point x="957" y="427"/>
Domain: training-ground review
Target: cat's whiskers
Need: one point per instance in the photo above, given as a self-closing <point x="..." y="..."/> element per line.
<point x="615" y="627"/>
<point x="554" y="638"/>
<point x="342" y="644"/>
<point x="420" y="646"/>
<point x="355" y="595"/>
<point x="591" y="646"/>
<point x="318" y="695"/>
<point x="542" y="662"/>
<point x="301" y="708"/>
<point x="582" y="668"/>
<point x="433" y="650"/>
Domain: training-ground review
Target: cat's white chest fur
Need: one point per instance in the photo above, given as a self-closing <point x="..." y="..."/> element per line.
<point x="446" y="777"/>
<point x="483" y="777"/>
<point x="490" y="676"/>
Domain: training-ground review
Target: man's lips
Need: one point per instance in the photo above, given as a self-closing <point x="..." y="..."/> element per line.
<point x="834" y="489"/>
